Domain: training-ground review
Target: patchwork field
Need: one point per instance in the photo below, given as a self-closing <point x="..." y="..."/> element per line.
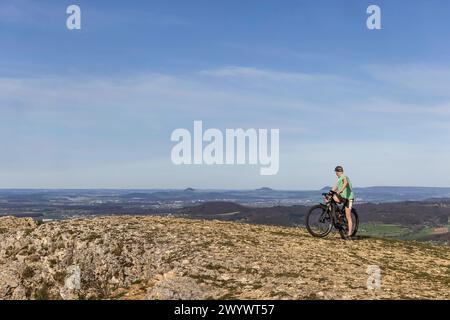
<point x="402" y="232"/>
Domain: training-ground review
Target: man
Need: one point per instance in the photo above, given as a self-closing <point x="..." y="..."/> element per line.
<point x="344" y="190"/>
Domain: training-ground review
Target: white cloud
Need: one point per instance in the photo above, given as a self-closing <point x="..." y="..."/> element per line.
<point x="270" y="75"/>
<point x="393" y="107"/>
<point x="64" y="128"/>
<point x="429" y="80"/>
<point x="160" y="93"/>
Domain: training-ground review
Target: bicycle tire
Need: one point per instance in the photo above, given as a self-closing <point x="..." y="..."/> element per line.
<point x="308" y="224"/>
<point x="355" y="221"/>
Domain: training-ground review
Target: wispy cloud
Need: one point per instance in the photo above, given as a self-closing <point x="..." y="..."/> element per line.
<point x="393" y="107"/>
<point x="25" y="12"/>
<point x="277" y="52"/>
<point x="80" y="123"/>
<point x="260" y="75"/>
<point x="420" y="79"/>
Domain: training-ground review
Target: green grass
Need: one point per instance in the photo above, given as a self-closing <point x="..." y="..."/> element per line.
<point x="384" y="230"/>
<point x="395" y="231"/>
<point x="425" y="231"/>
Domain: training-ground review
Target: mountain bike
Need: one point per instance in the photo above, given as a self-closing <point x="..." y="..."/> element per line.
<point x="321" y="218"/>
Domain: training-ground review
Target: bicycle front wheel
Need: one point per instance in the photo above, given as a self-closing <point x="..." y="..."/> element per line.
<point x="318" y="221"/>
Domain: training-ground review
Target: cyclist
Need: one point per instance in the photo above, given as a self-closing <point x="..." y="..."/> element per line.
<point x="344" y="194"/>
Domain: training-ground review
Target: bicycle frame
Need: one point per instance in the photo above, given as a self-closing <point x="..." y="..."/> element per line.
<point x="332" y="206"/>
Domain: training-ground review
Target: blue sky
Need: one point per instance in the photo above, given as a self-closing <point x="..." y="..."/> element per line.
<point x="95" y="107"/>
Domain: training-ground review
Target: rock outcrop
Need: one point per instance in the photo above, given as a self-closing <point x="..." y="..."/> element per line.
<point x="171" y="258"/>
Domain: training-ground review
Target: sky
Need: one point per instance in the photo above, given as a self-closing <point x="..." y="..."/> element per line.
<point x="95" y="108"/>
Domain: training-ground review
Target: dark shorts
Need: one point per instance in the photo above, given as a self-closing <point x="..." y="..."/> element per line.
<point x="348" y="203"/>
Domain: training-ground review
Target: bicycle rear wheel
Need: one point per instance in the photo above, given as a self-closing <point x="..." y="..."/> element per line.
<point x="318" y="221"/>
<point x="355" y="224"/>
<point x="355" y="220"/>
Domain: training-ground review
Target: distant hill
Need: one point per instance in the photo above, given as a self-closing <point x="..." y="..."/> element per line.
<point x="370" y="194"/>
<point x="214" y="208"/>
<point x="228" y="211"/>
<point x="264" y="189"/>
<point x="403" y="213"/>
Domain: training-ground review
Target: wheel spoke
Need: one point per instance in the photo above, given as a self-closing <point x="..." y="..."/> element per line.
<point x="319" y="222"/>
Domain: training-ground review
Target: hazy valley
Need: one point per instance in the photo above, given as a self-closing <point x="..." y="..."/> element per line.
<point x="399" y="212"/>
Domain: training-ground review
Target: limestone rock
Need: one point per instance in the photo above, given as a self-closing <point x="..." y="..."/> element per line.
<point x="126" y="257"/>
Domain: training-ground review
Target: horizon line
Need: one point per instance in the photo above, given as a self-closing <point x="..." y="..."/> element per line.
<point x="201" y="189"/>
